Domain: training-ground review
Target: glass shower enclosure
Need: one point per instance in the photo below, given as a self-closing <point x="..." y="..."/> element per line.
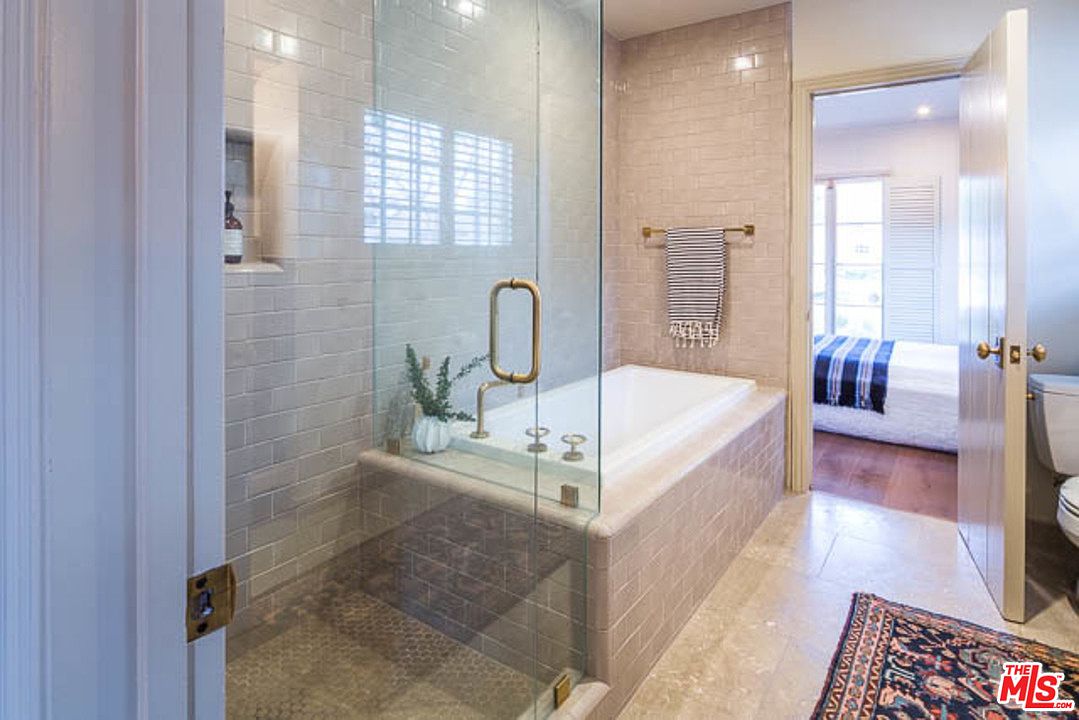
<point x="482" y="186"/>
<point x="412" y="354"/>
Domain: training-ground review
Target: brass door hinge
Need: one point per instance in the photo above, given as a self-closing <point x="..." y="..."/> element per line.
<point x="211" y="601"/>
<point x="561" y="690"/>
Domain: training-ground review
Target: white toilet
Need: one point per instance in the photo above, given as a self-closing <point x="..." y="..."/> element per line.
<point x="1055" y="422"/>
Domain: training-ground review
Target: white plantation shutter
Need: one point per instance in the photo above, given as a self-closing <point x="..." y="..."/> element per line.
<point x="482" y="190"/>
<point x="911" y="248"/>
<point x="407" y="182"/>
<point x="402" y="182"/>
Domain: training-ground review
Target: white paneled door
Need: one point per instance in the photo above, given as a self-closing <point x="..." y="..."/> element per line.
<point x="992" y="407"/>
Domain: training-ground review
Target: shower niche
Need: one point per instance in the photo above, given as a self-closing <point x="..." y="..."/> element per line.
<point x="256" y="194"/>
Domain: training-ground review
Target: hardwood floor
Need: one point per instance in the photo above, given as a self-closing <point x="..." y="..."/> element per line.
<point x="895" y="476"/>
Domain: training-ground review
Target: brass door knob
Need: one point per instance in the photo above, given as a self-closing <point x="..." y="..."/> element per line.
<point x="984" y="350"/>
<point x="1038" y="352"/>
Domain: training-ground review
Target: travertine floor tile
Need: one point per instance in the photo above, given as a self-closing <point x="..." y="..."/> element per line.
<point x="356" y="657"/>
<point x="760" y="644"/>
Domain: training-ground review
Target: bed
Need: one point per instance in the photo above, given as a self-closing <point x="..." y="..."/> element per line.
<point x="921" y="403"/>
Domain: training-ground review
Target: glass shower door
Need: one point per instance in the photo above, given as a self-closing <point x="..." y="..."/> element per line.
<point x="481" y="206"/>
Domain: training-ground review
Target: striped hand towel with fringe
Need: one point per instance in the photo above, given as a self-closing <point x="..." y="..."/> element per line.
<point x="696" y="274"/>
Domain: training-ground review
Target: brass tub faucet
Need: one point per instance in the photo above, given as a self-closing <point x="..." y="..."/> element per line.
<point x="479" y="433"/>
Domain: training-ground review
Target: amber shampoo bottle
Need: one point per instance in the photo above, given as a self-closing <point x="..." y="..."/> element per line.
<point x="234" y="232"/>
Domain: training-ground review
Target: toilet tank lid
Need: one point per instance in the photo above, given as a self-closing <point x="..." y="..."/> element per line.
<point x="1056" y="384"/>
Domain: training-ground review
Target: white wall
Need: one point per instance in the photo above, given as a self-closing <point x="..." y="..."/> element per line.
<point x="1053" y="200"/>
<point x="916" y="149"/>
<point x="836" y="36"/>
<point x="88" y="439"/>
<point x="1053" y="208"/>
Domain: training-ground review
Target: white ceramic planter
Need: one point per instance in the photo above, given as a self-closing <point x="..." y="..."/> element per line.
<point x="430" y="435"/>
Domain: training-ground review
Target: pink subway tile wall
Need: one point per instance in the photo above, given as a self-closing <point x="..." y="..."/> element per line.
<point x="650" y="574"/>
<point x="702" y="139"/>
<point x="491" y="575"/>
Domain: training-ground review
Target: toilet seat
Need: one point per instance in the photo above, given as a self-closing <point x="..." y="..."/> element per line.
<point x="1069" y="495"/>
<point x="1068" y="509"/>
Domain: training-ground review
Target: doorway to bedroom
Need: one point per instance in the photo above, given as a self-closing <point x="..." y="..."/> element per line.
<point x="885" y="272"/>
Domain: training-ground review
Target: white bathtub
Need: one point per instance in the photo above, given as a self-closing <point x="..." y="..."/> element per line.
<point x="645" y="411"/>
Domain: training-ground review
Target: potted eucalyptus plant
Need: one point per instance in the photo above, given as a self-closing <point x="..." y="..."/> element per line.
<point x="431" y="432"/>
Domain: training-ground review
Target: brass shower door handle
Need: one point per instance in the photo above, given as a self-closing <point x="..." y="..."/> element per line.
<point x="537" y="305"/>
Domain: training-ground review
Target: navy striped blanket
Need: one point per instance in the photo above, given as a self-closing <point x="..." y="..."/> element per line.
<point x="851" y="371"/>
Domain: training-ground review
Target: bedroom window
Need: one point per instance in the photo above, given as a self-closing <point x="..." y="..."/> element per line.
<point x="848" y="245"/>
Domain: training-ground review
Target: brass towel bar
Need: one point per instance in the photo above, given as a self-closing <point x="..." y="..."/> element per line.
<point x="748" y="231"/>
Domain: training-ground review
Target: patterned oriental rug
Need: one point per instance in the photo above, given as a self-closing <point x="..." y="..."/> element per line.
<point x="899" y="662"/>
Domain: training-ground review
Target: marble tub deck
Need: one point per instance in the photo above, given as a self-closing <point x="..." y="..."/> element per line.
<point x="760" y="644"/>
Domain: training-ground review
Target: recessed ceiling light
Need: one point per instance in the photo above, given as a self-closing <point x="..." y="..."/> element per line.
<point x="924" y="111"/>
<point x="744" y="62"/>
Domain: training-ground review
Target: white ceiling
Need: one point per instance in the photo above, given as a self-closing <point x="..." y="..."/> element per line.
<point x="629" y="18"/>
<point x="887" y="106"/>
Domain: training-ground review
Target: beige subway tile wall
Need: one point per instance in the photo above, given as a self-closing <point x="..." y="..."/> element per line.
<point x="569" y="174"/>
<point x="458" y="82"/>
<point x="536" y="118"/>
<point x="688" y="139"/>
<point x="303" y="359"/>
<point x="299" y="335"/>
<point x="702" y="140"/>
<point x="612" y="91"/>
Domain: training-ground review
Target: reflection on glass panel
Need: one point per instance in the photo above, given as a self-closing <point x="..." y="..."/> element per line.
<point x="859" y="244"/>
<point x="820" y="319"/>
<point x="820" y="244"/>
<point x="402" y="179"/>
<point x="857" y="285"/>
<point x="403" y="188"/>
<point x="820" y="280"/>
<point x="820" y="198"/>
<point x="859" y="201"/>
<point x="482" y="190"/>
<point x="860" y="321"/>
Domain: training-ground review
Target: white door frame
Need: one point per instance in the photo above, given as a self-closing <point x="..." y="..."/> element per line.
<point x="205" y="530"/>
<point x="179" y="348"/>
<point x="21" y="559"/>
<point x="800" y="418"/>
<point x="174" y="103"/>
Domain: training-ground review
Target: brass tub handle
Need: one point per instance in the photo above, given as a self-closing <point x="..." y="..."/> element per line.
<point x="537" y="303"/>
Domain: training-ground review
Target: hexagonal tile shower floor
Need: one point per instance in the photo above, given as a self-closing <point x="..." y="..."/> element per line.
<point x="357" y="657"/>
